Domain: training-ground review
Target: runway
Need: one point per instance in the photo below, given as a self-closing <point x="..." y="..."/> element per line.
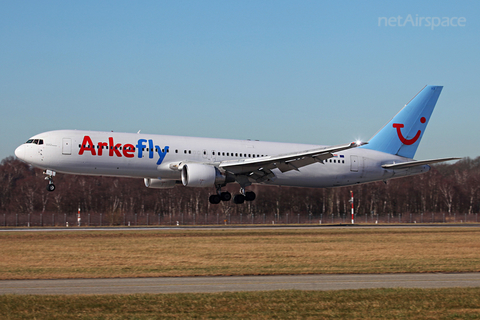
<point x="241" y="227"/>
<point x="239" y="283"/>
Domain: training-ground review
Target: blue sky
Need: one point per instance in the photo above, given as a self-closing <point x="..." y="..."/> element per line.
<point x="307" y="72"/>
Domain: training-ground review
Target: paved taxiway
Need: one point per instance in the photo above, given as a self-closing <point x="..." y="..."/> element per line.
<point x="244" y="227"/>
<point x="239" y="283"/>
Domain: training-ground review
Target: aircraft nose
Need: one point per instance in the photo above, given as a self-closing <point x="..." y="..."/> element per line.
<point x="20" y="152"/>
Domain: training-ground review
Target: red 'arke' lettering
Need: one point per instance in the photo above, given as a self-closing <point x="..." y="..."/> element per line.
<point x="127" y="150"/>
<point x="100" y="147"/>
<point x="114" y="148"/>
<point x="87" y="145"/>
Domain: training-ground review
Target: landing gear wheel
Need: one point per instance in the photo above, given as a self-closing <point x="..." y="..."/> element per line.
<point x="49" y="176"/>
<point x="250" y="196"/>
<point x="214" y="199"/>
<point x="225" y="196"/>
<point x="239" y="199"/>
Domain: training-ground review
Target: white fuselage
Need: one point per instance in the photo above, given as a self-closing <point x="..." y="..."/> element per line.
<point x="158" y="157"/>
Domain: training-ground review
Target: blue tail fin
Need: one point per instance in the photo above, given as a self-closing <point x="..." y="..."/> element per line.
<point x="402" y="135"/>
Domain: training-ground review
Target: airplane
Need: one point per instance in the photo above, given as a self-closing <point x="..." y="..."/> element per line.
<point x="166" y="161"/>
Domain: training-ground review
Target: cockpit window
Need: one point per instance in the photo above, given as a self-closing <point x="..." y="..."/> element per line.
<point x="35" y="141"/>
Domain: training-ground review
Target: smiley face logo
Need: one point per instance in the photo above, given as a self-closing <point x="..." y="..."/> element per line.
<point x="408" y="142"/>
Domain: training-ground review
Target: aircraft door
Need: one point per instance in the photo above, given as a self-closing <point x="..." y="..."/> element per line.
<point x="67" y="146"/>
<point x="354" y="163"/>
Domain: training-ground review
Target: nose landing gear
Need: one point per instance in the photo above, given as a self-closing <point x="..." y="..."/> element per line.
<point x="50" y="186"/>
<point x="49" y="176"/>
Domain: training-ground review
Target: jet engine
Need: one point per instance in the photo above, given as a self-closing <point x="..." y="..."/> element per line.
<point x="159" y="184"/>
<point x="201" y="175"/>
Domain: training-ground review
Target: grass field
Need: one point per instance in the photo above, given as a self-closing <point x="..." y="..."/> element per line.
<point x="454" y="303"/>
<point x="99" y="254"/>
<point x="105" y="254"/>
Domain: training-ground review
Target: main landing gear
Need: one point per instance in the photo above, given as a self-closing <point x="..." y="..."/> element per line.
<point x="220" y="196"/>
<point x="49" y="176"/>
<point x="237" y="199"/>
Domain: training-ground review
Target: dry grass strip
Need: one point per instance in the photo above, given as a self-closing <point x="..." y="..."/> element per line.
<point x="105" y="254"/>
<point x="451" y="303"/>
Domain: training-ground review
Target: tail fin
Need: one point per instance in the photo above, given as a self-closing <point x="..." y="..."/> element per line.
<point x="402" y="135"/>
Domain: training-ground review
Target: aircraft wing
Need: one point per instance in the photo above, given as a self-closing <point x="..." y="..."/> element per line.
<point x="409" y="164"/>
<point x="260" y="169"/>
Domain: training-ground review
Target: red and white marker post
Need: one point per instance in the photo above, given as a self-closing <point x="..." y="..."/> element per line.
<point x="78" y="217"/>
<point x="351" y="201"/>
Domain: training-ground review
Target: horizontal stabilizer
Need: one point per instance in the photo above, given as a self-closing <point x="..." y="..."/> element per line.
<point x="409" y="164"/>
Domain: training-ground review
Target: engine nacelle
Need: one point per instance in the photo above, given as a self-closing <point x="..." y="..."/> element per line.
<point x="201" y="175"/>
<point x="159" y="184"/>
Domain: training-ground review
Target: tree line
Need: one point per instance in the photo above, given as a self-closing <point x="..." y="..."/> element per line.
<point x="448" y="188"/>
